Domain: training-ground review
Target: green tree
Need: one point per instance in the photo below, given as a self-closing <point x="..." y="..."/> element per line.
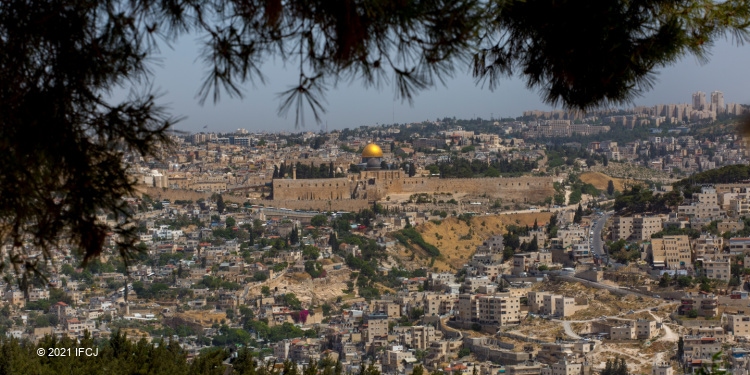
<point x="333" y="242"/>
<point x="265" y="290"/>
<point x="615" y="366"/>
<point x="220" y="205"/>
<point x="508" y="253"/>
<point x="684" y="281"/>
<point x="610" y="188"/>
<point x="326" y="309"/>
<point x="665" y="280"/>
<point x="319" y="220"/>
<point x="310" y="252"/>
<point x="290" y="299"/>
<point x="294" y="236"/>
<point x="533" y="245"/>
<point x="578" y="216"/>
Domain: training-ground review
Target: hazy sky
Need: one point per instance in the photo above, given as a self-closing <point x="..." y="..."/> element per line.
<point x="350" y="105"/>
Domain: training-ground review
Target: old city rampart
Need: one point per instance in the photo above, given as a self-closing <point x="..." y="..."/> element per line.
<point x="368" y="187"/>
<point x="513" y="189"/>
<point x="312" y="189"/>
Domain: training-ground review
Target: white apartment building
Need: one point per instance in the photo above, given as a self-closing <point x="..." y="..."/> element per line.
<point x="499" y="309"/>
<point x="671" y="252"/>
<point x="638" y="228"/>
<point x="564" y="367"/>
<point x="739" y="325"/>
<point x="739" y="246"/>
<point x="718" y="269"/>
<point x="701" y="211"/>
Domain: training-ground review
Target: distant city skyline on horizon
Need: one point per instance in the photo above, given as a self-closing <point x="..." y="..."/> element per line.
<point x="324" y="127"/>
<point x="352" y="105"/>
<point x="320" y="127"/>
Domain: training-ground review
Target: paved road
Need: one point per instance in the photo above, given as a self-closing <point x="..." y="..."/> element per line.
<point x="597" y="246"/>
<point x="569" y="330"/>
<point x="288" y="213"/>
<point x="625" y="317"/>
<point x="570" y="207"/>
<point x="592" y="284"/>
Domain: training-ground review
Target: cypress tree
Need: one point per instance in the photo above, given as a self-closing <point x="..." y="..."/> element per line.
<point x="293" y="236"/>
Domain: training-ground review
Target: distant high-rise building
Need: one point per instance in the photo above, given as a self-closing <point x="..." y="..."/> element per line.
<point x="699" y="101"/>
<point x="717" y="101"/>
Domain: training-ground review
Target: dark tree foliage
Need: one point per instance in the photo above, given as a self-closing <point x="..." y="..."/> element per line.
<point x="220" y="205"/>
<point x="333" y="242"/>
<point x="558" y="155"/>
<point x="616" y="366"/>
<point x="294" y="236"/>
<point x="305" y="171"/>
<point x="642" y="200"/>
<point x="533" y="245"/>
<point x="61" y="142"/>
<point x="464" y="168"/>
<point x="672" y="231"/>
<point x="723" y="175"/>
<point x="578" y="216"/>
<point x="585" y="53"/>
<point x="409" y="236"/>
<point x="63" y="139"/>
<point x="118" y="355"/>
<point x="622" y="252"/>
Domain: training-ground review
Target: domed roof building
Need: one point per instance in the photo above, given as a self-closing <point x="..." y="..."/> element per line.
<point x="372" y="151"/>
<point x="372" y="156"/>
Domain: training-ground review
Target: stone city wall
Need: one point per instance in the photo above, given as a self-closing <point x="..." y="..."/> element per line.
<point x="516" y="189"/>
<point x="326" y="189"/>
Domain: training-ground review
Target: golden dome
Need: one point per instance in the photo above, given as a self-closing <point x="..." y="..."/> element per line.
<point x="372" y="151"/>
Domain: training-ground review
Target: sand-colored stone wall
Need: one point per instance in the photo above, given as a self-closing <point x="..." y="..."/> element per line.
<point x="333" y="189"/>
<point x="374" y="186"/>
<point x="517" y="189"/>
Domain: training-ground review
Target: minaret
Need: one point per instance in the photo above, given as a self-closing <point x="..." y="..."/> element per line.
<point x="294" y="171"/>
